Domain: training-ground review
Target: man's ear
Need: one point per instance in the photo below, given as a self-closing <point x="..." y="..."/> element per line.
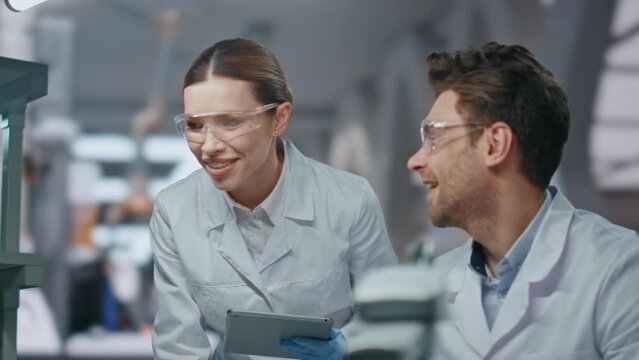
<point x="282" y="115"/>
<point x="499" y="143"/>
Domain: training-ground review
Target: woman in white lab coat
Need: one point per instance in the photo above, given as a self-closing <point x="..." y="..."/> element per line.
<point x="260" y="227"/>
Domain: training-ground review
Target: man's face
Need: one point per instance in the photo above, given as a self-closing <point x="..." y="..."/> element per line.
<point x="452" y="172"/>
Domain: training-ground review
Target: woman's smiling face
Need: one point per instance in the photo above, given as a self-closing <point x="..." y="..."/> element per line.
<point x="241" y="162"/>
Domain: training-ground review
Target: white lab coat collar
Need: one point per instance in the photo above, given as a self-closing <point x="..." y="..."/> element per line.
<point x="298" y="206"/>
<point x="551" y="238"/>
<point x="463" y="286"/>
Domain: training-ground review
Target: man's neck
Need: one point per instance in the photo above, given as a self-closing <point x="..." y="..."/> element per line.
<point x="498" y="230"/>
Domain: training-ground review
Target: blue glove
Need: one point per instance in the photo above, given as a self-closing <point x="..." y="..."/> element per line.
<point x="314" y="349"/>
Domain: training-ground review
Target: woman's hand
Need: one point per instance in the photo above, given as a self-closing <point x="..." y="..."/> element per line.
<point x="314" y="349"/>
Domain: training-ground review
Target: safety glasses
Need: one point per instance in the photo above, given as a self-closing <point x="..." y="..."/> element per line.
<point x="224" y="125"/>
<point x="435" y="133"/>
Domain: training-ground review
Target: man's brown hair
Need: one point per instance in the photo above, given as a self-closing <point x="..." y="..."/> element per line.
<point x="506" y="83"/>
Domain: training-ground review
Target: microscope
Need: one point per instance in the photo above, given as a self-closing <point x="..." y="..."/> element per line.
<point x="397" y="308"/>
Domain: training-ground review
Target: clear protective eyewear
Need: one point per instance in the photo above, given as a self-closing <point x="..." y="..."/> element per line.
<point x="224" y="125"/>
<point x="434" y="133"/>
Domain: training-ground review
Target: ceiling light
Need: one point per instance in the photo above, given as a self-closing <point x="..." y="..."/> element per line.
<point x="21" y="5"/>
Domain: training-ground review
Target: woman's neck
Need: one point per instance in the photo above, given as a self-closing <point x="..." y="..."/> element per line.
<point x="253" y="193"/>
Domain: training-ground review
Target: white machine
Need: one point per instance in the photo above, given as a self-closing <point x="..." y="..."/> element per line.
<point x="396" y="311"/>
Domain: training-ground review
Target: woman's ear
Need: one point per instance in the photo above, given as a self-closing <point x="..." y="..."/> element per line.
<point x="282" y="115"/>
<point x="499" y="140"/>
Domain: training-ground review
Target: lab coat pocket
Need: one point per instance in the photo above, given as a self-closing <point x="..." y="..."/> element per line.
<point x="214" y="301"/>
<point x="318" y="296"/>
<point x="576" y="355"/>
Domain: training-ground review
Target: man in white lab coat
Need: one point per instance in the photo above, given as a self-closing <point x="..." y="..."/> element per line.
<point x="539" y="279"/>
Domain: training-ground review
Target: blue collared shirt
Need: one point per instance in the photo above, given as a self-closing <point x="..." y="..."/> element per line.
<point x="494" y="290"/>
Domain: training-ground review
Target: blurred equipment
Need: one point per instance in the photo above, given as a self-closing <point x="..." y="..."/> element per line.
<point x="129" y="269"/>
<point x="20" y="83"/>
<point x="397" y="309"/>
<point x="37" y="333"/>
<point x="21" y="5"/>
<point x="52" y="218"/>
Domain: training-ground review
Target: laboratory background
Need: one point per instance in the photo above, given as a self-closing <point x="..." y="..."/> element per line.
<point x="102" y="143"/>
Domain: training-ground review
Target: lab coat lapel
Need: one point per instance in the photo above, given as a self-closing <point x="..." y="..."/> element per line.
<point x="278" y="245"/>
<point x="543" y="257"/>
<point x="469" y="314"/>
<point x="298" y="207"/>
<point x="213" y="207"/>
<point x="219" y="217"/>
<point x="463" y="293"/>
<point x="233" y="249"/>
<point x="511" y="317"/>
<point x="300" y="186"/>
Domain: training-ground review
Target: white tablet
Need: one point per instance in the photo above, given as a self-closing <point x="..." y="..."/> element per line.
<point x="259" y="333"/>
